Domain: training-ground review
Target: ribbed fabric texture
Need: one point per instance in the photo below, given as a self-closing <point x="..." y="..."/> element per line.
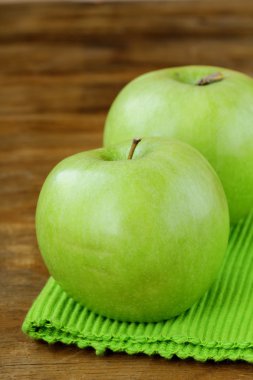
<point x="218" y="327"/>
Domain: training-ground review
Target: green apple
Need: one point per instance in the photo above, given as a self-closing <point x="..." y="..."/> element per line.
<point x="137" y="239"/>
<point x="210" y="108"/>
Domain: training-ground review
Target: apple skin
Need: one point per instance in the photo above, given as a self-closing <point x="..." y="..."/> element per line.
<point x="216" y="119"/>
<point x="134" y="240"/>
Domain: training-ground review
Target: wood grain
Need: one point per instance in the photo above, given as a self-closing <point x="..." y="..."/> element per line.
<point x="61" y="65"/>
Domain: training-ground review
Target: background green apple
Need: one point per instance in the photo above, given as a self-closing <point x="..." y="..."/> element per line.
<point x="139" y="239"/>
<point x="216" y="118"/>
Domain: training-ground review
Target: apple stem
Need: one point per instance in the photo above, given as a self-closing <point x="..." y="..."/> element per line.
<point x="211" y="78"/>
<point x="135" y="142"/>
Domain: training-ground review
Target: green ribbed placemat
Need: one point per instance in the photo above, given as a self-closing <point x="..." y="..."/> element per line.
<point x="218" y="327"/>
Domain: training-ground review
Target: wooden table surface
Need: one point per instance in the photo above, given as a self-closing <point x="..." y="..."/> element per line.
<point x="61" y="65"/>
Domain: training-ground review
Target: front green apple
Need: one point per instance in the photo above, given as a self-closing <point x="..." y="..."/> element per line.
<point x="136" y="239"/>
<point x="210" y="108"/>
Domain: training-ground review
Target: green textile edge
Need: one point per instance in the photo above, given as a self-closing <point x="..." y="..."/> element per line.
<point x="217" y="327"/>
